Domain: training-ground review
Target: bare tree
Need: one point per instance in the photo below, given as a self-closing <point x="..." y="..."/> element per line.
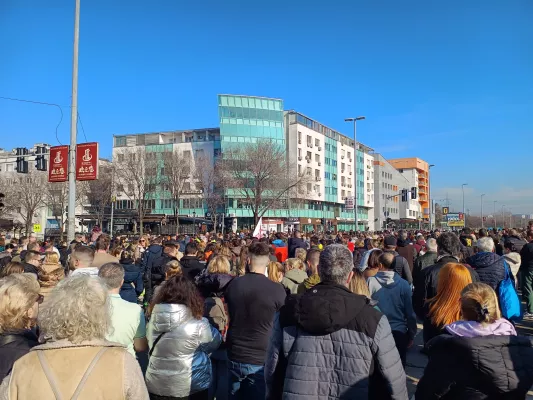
<point x="98" y="196"/>
<point x="177" y="173"/>
<point x="136" y="173"/>
<point x="56" y="199"/>
<point x="260" y="175"/>
<point x="209" y="178"/>
<point x="25" y="195"/>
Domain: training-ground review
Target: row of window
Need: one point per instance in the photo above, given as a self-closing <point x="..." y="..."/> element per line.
<point x="251" y="113"/>
<point x="317" y="127"/>
<point x="250" y="102"/>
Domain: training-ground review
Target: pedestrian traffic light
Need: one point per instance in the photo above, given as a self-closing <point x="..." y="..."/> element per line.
<point x="414" y="193"/>
<point x="404" y="195"/>
<point x="2" y="197"/>
<point x="22" y="163"/>
<point x="40" y="160"/>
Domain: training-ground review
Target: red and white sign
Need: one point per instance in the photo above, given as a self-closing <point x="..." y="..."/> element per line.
<point x="58" y="171"/>
<point x="87" y="161"/>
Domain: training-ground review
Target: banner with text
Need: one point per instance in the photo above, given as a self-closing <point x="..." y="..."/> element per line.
<point x="87" y="161"/>
<point x="456" y="220"/>
<point x="58" y="171"/>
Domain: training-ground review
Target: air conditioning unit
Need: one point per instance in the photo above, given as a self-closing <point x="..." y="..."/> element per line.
<point x="319" y="163"/>
<point x="299" y="141"/>
<point x="308" y="160"/>
<point x="299" y="158"/>
<point x="350" y="159"/>
<point x="342" y="171"/>
<point x="318" y="178"/>
<point x="350" y="172"/>
<point x="320" y="195"/>
<point x="342" y="157"/>
<point x="319" y="148"/>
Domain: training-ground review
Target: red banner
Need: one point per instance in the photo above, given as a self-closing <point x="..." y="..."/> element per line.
<point x="58" y="171"/>
<point x="87" y="161"/>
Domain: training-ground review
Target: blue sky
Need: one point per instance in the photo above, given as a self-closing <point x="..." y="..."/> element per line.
<point x="450" y="82"/>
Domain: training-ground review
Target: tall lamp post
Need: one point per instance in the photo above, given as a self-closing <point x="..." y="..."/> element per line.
<point x="503" y="217"/>
<point x="429" y="199"/>
<point x="482" y="224"/>
<point x="494" y="214"/>
<point x="194" y="222"/>
<point x="463" y="188"/>
<point x="356" y="157"/>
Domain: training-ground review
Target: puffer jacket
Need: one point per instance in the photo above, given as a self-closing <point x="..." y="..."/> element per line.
<point x="133" y="284"/>
<point x="179" y="365"/>
<point x="487" y="367"/>
<point x="332" y="344"/>
<point x="292" y="279"/>
<point x="489" y="267"/>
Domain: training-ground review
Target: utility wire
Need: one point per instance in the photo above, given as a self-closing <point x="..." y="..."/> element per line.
<point x="83" y="130"/>
<point x="41" y="102"/>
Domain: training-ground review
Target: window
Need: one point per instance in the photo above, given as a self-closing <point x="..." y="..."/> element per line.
<point x="317" y="173"/>
<point x="187" y="154"/>
<point x="309" y="170"/>
<point x="120" y="157"/>
<point x="186" y="187"/>
<point x="309" y="155"/>
<point x="317" y="142"/>
<point x="309" y="187"/>
<point x="299" y="152"/>
<point x="120" y="188"/>
<point x="309" y="141"/>
<point x="317" y="158"/>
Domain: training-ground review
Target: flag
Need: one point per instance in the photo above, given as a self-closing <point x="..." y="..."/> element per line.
<point x="258" y="232"/>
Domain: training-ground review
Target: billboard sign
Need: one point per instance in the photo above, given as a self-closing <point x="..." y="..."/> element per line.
<point x="456" y="220"/>
<point x="445" y="210"/>
<point x="87" y="161"/>
<point x="349" y="203"/>
<point x="58" y="171"/>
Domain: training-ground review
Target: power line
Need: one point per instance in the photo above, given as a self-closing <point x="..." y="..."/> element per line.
<point x="40" y="102"/>
<point x="83" y="130"/>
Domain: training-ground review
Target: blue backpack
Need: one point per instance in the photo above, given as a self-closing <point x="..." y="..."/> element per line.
<point x="509" y="301"/>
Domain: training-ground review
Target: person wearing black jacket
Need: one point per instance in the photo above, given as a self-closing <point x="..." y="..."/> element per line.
<point x="526" y="272"/>
<point x="155" y="272"/>
<point x="401" y="265"/>
<point x="405" y="248"/>
<point x="296" y="242"/>
<point x="449" y="249"/>
<point x="133" y="285"/>
<point x="32" y="262"/>
<point x="190" y="264"/>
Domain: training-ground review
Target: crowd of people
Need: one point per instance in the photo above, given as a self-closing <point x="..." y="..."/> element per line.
<point x="283" y="316"/>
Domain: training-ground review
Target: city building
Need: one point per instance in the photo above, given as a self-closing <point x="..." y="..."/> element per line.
<point x="389" y="207"/>
<point x="416" y="171"/>
<point x="327" y="158"/>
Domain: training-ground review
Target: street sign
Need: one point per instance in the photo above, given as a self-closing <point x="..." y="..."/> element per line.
<point x="87" y="161"/>
<point x="58" y="171"/>
<point x="445" y="210"/>
<point x="37" y="228"/>
<point x="456" y="220"/>
<point x="349" y="203"/>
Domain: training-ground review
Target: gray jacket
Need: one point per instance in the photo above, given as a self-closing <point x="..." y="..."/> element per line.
<point x="332" y="344"/>
<point x="180" y="364"/>
<point x="393" y="295"/>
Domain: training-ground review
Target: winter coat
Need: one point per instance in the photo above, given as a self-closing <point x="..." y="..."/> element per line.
<point x="489" y="267"/>
<point x="426" y="283"/>
<point x="115" y="376"/>
<point x="407" y="251"/>
<point x="401" y="266"/>
<point x="328" y="343"/>
<point x="179" y="365"/>
<point x="212" y="288"/>
<point x="487" y="367"/>
<point x="517" y="242"/>
<point x="5" y="258"/>
<point x="425" y="260"/>
<point x="292" y="279"/>
<point x="393" y="296"/>
<point x="133" y="284"/>
<point x="49" y="276"/>
<point x="308" y="283"/>
<point x="514" y="260"/>
<point x="526" y="255"/>
<point x="12" y="347"/>
<point x="153" y="252"/>
<point x="296" y="243"/>
<point x="191" y="266"/>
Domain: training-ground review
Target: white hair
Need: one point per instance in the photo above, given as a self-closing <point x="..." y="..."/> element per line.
<point x="485" y="244"/>
<point x="431" y="244"/>
<point x="77" y="309"/>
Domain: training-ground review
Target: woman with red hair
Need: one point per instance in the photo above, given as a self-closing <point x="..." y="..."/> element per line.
<point x="445" y="308"/>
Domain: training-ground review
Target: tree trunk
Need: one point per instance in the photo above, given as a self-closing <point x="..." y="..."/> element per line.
<point x="29" y="219"/>
<point x="176" y="214"/>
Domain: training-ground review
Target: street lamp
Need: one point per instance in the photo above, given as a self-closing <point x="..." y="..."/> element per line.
<point x="463" y="188"/>
<point x="503" y="217"/>
<point x="429" y="199"/>
<point x="355" y="148"/>
<point x="494" y="214"/>
<point x="482" y="225"/>
<point x="194" y="222"/>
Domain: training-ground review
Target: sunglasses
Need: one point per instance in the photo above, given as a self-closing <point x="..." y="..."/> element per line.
<point x="40" y="299"/>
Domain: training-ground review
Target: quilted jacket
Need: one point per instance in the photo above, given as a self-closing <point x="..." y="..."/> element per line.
<point x="331" y="344"/>
<point x="489" y="267"/>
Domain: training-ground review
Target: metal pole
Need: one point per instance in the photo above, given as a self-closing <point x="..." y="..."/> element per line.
<point x="494" y="214"/>
<point x="464" y="214"/>
<point x="482" y="224"/>
<point x="73" y="122"/>
<point x="112" y="212"/>
<point x="356" y="158"/>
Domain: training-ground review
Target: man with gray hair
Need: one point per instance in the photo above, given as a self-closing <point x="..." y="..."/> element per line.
<point x="339" y="338"/>
<point x="489" y="266"/>
<point x="427" y="259"/>
<point x="127" y="319"/>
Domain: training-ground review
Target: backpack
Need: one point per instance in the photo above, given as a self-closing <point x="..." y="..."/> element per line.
<point x="508" y="298"/>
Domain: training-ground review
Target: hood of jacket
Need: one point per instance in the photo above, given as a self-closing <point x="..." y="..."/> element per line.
<point x="311" y="281"/>
<point x="403" y="243"/>
<point x="324" y="309"/>
<point x="513" y="258"/>
<point x="500" y="327"/>
<point x="167" y="317"/>
<point x="388" y="279"/>
<point x="296" y="275"/>
<point x="483" y="260"/>
<point x="50" y="274"/>
<point x="155" y="249"/>
<point x="213" y="284"/>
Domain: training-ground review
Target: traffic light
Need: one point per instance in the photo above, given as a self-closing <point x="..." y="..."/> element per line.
<point x="2" y="197"/>
<point x="414" y="192"/>
<point x="22" y="163"/>
<point x="404" y="195"/>
<point x="40" y="160"/>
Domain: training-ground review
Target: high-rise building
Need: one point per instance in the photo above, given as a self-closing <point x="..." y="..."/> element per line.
<point x="328" y="158"/>
<point x="416" y="171"/>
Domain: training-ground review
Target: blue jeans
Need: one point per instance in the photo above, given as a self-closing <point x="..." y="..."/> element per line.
<point x="219" y="383"/>
<point x="246" y="381"/>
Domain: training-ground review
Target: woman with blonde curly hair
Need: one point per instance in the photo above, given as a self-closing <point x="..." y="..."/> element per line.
<point x="19" y="306"/>
<point x="76" y="359"/>
<point x="294" y="274"/>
